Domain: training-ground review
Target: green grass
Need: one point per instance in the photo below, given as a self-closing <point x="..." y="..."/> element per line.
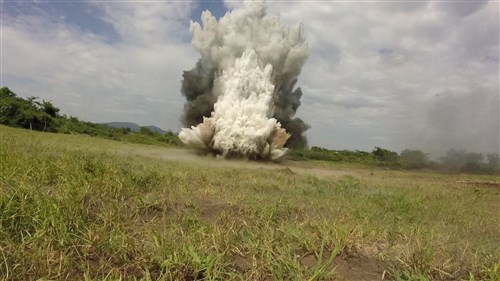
<point x="80" y="208"/>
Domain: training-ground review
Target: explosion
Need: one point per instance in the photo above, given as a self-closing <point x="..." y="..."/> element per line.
<point x="240" y="95"/>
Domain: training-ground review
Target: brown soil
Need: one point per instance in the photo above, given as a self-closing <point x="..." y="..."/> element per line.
<point x="211" y="209"/>
<point x="359" y="269"/>
<point x="481" y="183"/>
<point x="352" y="268"/>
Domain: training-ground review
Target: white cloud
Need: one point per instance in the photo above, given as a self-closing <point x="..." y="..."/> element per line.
<point x="421" y="74"/>
<point x="136" y="78"/>
<point x="147" y="22"/>
<point x="376" y="68"/>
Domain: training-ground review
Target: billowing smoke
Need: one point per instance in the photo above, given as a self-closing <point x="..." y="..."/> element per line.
<point x="240" y="95"/>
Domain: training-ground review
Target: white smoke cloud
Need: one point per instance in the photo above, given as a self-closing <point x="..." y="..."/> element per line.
<point x="241" y="90"/>
<point x="394" y="58"/>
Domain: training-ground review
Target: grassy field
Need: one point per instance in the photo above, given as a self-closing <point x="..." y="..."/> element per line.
<point x="80" y="208"/>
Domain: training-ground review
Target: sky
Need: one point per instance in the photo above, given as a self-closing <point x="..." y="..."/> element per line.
<point x="393" y="74"/>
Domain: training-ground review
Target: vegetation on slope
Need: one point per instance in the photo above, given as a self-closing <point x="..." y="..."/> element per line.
<point x="71" y="213"/>
<point x="42" y="115"/>
<point x="30" y="113"/>
<point x="455" y="161"/>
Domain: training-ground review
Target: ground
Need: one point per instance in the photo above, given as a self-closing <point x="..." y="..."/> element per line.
<point x="81" y="208"/>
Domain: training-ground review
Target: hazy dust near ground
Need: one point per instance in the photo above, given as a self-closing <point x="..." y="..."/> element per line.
<point x="191" y="157"/>
<point x="188" y="156"/>
<point x="331" y="171"/>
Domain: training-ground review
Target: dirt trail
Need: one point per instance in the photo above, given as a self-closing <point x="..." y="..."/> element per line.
<point x="187" y="156"/>
<point x="190" y="157"/>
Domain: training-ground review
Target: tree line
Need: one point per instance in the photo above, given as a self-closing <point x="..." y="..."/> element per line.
<point x="455" y="161"/>
<point x="41" y="115"/>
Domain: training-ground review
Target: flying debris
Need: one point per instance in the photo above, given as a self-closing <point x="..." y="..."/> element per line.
<point x="240" y="95"/>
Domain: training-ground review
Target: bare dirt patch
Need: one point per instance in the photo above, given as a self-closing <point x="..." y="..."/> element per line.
<point x="358" y="269"/>
<point x="211" y="209"/>
<point x="191" y="157"/>
<point x="351" y="268"/>
<point x="492" y="184"/>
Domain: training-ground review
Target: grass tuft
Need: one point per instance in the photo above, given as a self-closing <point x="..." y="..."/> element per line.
<point x="78" y="208"/>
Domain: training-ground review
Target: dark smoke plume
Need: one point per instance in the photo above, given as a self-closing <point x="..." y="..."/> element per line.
<point x="246" y="43"/>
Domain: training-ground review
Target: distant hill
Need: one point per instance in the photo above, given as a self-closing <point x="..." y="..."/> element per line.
<point x="156" y="129"/>
<point x="134" y="127"/>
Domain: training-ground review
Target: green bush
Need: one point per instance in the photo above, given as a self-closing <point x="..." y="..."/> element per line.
<point x="43" y="116"/>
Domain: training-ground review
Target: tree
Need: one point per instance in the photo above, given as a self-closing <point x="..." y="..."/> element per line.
<point x="460" y="160"/>
<point x="50" y="109"/>
<point x="493" y="161"/>
<point x="454" y="159"/>
<point x="473" y="162"/>
<point x="8" y="106"/>
<point x="146" y="131"/>
<point x="29" y="116"/>
<point x="26" y="113"/>
<point x="473" y="157"/>
<point x="6" y="93"/>
<point x="413" y="159"/>
<point x="385" y="155"/>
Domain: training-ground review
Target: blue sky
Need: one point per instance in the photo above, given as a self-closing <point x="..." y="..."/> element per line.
<point x="89" y="17"/>
<point x="417" y="74"/>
